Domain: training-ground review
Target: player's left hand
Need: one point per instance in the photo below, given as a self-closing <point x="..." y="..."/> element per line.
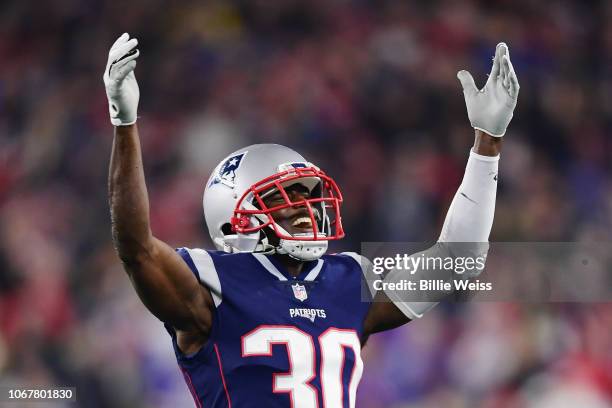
<point x="491" y="108"/>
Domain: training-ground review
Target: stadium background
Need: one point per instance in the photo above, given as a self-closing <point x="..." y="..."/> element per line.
<point x="367" y="89"/>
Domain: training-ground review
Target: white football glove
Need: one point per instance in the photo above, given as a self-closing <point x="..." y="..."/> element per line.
<point x="491" y="108"/>
<point x="120" y="82"/>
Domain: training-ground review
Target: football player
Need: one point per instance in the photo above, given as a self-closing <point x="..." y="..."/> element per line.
<point x="268" y="319"/>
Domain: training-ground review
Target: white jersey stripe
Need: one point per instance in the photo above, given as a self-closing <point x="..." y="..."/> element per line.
<point x="265" y="262"/>
<point x="208" y="273"/>
<point x="312" y="275"/>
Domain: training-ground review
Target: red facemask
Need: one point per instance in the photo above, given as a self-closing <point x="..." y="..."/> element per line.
<point x="326" y="203"/>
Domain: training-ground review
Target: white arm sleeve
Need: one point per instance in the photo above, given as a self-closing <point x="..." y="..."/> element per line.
<point x="469" y="220"/>
<point x="470" y="215"/>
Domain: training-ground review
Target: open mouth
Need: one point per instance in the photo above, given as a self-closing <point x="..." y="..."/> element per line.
<point x="303" y="223"/>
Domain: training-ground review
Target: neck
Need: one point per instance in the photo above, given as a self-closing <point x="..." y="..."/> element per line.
<point x="293" y="266"/>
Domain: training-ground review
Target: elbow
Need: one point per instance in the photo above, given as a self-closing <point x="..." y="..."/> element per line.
<point x="131" y="251"/>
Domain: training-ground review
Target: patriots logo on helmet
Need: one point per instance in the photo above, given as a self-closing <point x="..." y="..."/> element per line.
<point x="227" y="171"/>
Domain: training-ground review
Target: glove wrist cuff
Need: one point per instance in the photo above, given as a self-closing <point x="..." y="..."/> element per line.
<point x="119" y="122"/>
<point x="489" y="132"/>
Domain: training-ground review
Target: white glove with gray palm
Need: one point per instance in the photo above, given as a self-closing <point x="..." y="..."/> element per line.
<point x="491" y="108"/>
<point x="120" y="82"/>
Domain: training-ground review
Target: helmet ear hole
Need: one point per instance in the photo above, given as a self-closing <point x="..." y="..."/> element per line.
<point x="226" y="229"/>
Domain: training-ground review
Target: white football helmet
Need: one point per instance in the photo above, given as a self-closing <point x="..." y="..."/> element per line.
<point x="239" y="220"/>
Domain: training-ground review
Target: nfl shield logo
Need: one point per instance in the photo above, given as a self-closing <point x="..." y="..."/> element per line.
<point x="299" y="291"/>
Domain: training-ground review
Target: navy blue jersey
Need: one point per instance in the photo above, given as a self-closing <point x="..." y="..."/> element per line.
<point x="277" y="341"/>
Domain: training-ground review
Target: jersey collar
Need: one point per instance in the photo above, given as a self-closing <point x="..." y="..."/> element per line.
<point x="309" y="273"/>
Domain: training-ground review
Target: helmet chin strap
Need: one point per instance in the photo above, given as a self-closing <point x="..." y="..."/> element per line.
<point x="301" y="250"/>
<point x="296" y="249"/>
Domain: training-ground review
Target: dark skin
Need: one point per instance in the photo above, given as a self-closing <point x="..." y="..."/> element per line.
<point x="164" y="282"/>
<point x="285" y="218"/>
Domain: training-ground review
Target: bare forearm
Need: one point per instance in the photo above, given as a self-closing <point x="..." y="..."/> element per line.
<point x="486" y="145"/>
<point x="129" y="201"/>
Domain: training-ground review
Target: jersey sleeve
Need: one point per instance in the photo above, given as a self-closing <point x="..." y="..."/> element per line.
<point x="203" y="267"/>
<point x="412" y="310"/>
<point x="366" y="270"/>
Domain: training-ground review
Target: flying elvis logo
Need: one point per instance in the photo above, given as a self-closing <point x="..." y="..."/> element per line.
<point x="227" y="171"/>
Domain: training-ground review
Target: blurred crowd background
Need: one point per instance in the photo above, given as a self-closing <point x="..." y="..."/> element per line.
<point x="364" y="88"/>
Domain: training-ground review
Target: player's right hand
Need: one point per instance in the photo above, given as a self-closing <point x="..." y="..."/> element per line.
<point x="120" y="82"/>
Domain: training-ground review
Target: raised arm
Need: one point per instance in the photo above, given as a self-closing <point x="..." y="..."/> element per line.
<point x="470" y="216"/>
<point x="163" y="281"/>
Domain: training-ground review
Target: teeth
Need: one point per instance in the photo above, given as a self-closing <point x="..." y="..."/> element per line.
<point x="302" y="220"/>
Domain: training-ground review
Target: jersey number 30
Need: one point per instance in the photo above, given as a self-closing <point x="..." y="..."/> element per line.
<point x="301" y="353"/>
